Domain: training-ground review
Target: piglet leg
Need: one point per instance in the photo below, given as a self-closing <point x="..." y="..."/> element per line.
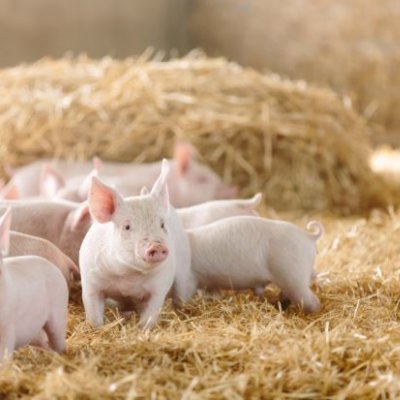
<point x="7" y="343"/>
<point x="55" y="329"/>
<point x="151" y="310"/>
<point x="184" y="289"/>
<point x="94" y="308"/>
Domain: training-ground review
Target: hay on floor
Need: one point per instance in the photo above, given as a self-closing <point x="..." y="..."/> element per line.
<point x="239" y="346"/>
<point x="303" y="147"/>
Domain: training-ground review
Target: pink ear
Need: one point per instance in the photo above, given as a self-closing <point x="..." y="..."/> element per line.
<point x="160" y="187"/>
<point x="80" y="216"/>
<point x="183" y="154"/>
<point x="84" y="187"/>
<point x="102" y="201"/>
<point x="10" y="192"/>
<point x="51" y="181"/>
<point x="5" y="224"/>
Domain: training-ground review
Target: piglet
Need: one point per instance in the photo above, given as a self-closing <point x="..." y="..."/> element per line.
<point x="202" y="214"/>
<point x="134" y="253"/>
<point x="190" y="182"/>
<point x="27" y="181"/>
<point x="62" y="223"/>
<point x="251" y="252"/>
<point x="28" y="245"/>
<point x="33" y="298"/>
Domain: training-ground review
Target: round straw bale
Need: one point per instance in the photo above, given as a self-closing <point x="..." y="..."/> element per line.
<point x="303" y="147"/>
<point x="351" y="46"/>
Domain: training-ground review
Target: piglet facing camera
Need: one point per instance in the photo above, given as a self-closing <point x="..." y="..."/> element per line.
<point x="250" y="253"/>
<point x="33" y="299"/>
<point x="135" y="252"/>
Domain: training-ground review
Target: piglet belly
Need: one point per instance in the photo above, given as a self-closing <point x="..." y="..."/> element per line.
<point x="233" y="275"/>
<point x="123" y="288"/>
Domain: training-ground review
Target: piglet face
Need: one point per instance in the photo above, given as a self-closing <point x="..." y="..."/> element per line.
<point x="138" y="225"/>
<point x="140" y="233"/>
<point x="195" y="183"/>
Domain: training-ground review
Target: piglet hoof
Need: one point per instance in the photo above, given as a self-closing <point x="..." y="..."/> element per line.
<point x="313" y="305"/>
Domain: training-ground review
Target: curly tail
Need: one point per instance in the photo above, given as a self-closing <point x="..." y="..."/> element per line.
<point x="316" y="228"/>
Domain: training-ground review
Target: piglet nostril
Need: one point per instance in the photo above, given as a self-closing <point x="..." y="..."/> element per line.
<point x="156" y="253"/>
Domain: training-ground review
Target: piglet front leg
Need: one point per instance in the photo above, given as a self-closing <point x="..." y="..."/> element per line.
<point x="93" y="302"/>
<point x="151" y="310"/>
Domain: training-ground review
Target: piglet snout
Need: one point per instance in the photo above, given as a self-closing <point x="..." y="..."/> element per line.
<point x="156" y="253"/>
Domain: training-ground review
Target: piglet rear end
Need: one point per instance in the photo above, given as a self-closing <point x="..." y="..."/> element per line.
<point x="250" y="252"/>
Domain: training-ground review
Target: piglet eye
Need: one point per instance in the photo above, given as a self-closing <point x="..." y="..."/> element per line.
<point x="127" y="227"/>
<point x="162" y="225"/>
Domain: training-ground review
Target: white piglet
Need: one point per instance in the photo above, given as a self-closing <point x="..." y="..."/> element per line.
<point x="63" y="223"/>
<point x="134" y="253"/>
<point x="251" y="252"/>
<point x="205" y="213"/>
<point x="28" y="245"/>
<point x="33" y="299"/>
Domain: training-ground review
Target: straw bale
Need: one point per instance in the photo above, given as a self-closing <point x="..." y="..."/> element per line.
<point x="305" y="148"/>
<point x="351" y="46"/>
<point x="239" y="346"/>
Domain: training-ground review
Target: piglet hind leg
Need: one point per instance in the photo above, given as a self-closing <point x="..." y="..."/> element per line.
<point x="7" y="344"/>
<point x="304" y="298"/>
<point x="55" y="328"/>
<point x="183" y="290"/>
<point x="299" y="293"/>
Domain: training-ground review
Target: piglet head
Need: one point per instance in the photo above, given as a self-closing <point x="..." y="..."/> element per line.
<point x="78" y="188"/>
<point x="139" y="234"/>
<point x="192" y="182"/>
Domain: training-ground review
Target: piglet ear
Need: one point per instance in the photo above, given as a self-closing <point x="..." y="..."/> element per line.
<point x="5" y="225"/>
<point x="144" y="191"/>
<point x="50" y="182"/>
<point x="183" y="154"/>
<point x="84" y="187"/>
<point x="10" y="191"/>
<point x="80" y="217"/>
<point x="160" y="187"/>
<point x="103" y="201"/>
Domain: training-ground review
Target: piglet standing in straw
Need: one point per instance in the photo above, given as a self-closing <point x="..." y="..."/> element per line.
<point x="134" y="253"/>
<point x="250" y="253"/>
<point x="33" y="298"/>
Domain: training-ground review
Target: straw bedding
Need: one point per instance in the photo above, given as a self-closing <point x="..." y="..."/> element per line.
<point x="238" y="346"/>
<point x="303" y="147"/>
<point x="352" y="46"/>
